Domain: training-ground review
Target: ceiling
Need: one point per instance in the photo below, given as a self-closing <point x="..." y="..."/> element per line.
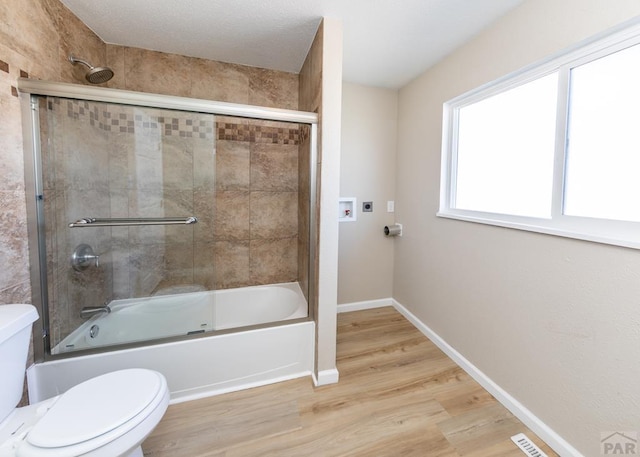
<point x="387" y="43"/>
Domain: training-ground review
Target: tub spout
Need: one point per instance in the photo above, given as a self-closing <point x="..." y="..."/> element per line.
<point x="89" y="311"/>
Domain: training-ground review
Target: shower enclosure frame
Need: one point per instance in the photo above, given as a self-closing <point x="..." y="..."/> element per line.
<point x="30" y="90"/>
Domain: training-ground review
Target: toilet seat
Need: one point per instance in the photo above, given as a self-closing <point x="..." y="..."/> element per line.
<point x="95" y="413"/>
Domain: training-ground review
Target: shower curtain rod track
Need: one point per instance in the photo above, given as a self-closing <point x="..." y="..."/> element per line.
<point x="97" y="222"/>
<point x="127" y="97"/>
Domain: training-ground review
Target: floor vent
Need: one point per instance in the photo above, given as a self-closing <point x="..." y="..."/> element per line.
<point x="527" y="446"/>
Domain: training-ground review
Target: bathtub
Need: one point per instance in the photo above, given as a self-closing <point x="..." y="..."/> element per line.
<point x="164" y="316"/>
<point x="195" y="367"/>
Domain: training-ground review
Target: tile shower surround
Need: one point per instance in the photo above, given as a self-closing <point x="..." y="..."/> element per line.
<point x="36" y="37"/>
<point x="255" y="203"/>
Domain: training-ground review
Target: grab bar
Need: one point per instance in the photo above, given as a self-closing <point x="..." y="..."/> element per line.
<point x="97" y="222"/>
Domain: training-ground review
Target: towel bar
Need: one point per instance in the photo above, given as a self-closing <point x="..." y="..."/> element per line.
<point x="97" y="222"/>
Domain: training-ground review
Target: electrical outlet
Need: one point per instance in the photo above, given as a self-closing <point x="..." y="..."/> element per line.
<point x="390" y="206"/>
<point x="367" y="207"/>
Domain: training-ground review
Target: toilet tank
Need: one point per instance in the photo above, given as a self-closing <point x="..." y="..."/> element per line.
<point x="15" y="333"/>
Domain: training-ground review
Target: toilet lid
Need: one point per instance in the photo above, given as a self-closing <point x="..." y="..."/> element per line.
<point x="96" y="407"/>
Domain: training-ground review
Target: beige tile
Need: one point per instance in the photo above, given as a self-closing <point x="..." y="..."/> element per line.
<point x="156" y="72"/>
<point x="146" y="268"/>
<point x="304" y="159"/>
<point x="16" y="293"/>
<point x="204" y="204"/>
<point x="274" y="215"/>
<point x="13" y="236"/>
<point x="82" y="163"/>
<point x="204" y="264"/>
<point x="268" y="124"/>
<point x="120" y="261"/>
<point x="310" y="77"/>
<point x="303" y="209"/>
<point x="204" y="160"/>
<point x="11" y="157"/>
<point x="178" y="264"/>
<point x="176" y="155"/>
<point x="233" y="159"/>
<point x="115" y="61"/>
<point x="274" y="261"/>
<point x="231" y="264"/>
<point x="273" y="88"/>
<point x="120" y="156"/>
<point x="232" y="215"/>
<point x="274" y="167"/>
<point x="31" y="30"/>
<point x="225" y="82"/>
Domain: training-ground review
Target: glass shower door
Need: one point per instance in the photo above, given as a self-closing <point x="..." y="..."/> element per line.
<point x="128" y="208"/>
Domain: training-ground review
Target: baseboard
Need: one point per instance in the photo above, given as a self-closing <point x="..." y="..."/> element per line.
<point x="181" y="398"/>
<point x="326" y="377"/>
<point x="546" y="433"/>
<point x="367" y="304"/>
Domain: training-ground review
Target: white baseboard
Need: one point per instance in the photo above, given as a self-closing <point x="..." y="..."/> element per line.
<point x="326" y="377"/>
<point x="368" y="304"/>
<point x="546" y="433"/>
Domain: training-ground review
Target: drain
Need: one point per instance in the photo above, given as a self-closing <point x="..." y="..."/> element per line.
<point x="93" y="331"/>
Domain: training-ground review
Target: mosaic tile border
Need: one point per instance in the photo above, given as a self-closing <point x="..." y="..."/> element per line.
<point x="257" y="133"/>
<point x="97" y="115"/>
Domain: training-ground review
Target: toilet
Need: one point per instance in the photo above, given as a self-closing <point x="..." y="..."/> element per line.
<point x="107" y="416"/>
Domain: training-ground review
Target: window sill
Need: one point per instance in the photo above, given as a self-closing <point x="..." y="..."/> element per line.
<point x="576" y="231"/>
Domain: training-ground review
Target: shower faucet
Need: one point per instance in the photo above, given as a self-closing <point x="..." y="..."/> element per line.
<point x="83" y="256"/>
<point x="89" y="311"/>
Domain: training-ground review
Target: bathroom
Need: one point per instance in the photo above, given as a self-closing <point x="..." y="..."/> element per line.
<point x="265" y="245"/>
<point x="418" y="271"/>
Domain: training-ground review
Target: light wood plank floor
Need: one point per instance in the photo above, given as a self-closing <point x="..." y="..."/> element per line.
<point x="398" y="395"/>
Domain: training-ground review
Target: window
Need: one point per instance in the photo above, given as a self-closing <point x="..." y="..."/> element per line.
<point x="505" y="152"/>
<point x="603" y="147"/>
<point x="554" y="148"/>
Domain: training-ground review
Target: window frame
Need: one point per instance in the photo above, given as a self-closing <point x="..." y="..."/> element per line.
<point x="620" y="233"/>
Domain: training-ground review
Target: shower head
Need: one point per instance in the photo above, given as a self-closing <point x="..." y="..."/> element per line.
<point x="95" y="75"/>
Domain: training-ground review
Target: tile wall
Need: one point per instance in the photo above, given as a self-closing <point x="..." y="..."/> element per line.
<point x="256" y="231"/>
<point x="239" y="177"/>
<point x="172" y="74"/>
<point x="310" y="99"/>
<point x="36" y="37"/>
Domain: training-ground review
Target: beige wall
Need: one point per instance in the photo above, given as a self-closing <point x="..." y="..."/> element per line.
<point x="367" y="172"/>
<point x="553" y="321"/>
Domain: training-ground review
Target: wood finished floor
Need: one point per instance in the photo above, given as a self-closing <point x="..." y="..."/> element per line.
<point x="398" y="395"/>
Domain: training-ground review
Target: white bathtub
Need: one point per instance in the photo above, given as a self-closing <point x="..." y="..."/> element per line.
<point x="196" y="367"/>
<point x="142" y="319"/>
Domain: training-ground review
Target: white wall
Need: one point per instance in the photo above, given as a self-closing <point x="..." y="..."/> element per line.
<point x="367" y="172"/>
<point x="553" y="321"/>
<point x="326" y="318"/>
